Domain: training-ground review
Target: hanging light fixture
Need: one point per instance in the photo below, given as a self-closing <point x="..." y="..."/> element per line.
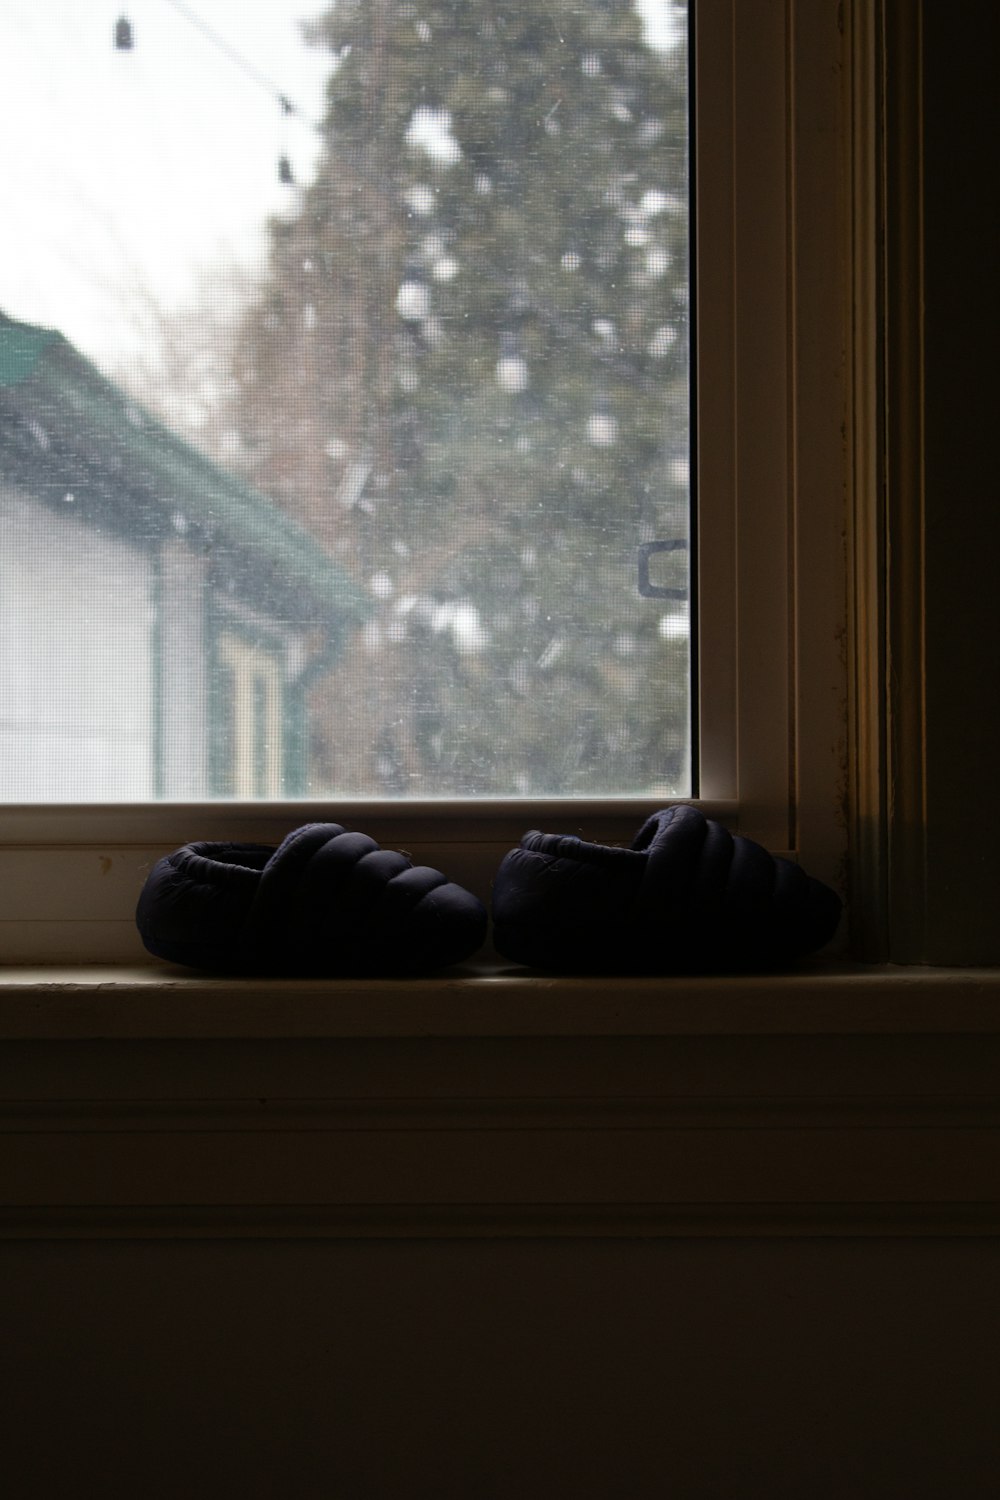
<point x="124" y="36"/>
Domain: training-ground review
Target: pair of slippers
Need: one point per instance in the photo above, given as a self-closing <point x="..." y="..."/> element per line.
<point x="687" y="897"/>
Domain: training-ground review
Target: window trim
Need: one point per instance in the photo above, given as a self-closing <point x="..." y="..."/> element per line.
<point x="770" y="120"/>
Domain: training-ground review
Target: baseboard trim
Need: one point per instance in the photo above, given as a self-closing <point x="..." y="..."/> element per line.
<point x="507" y="1221"/>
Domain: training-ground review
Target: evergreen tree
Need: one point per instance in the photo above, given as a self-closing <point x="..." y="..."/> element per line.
<point x="467" y="375"/>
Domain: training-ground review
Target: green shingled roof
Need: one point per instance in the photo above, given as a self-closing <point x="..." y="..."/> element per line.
<point x="21" y="347"/>
<point x="63" y="425"/>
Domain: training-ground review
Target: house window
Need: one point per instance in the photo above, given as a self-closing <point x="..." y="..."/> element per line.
<point x="249" y="719"/>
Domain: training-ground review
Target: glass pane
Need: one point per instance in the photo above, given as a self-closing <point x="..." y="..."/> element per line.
<point x="344" y="399"/>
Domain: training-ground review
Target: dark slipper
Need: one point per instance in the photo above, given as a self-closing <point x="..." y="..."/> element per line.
<point x="325" y="902"/>
<point x="687" y="897"/>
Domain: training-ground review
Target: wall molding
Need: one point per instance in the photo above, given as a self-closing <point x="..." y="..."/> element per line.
<point x="811" y="1104"/>
<point x="486" y="1222"/>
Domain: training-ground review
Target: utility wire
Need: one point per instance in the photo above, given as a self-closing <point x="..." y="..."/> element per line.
<point x="288" y="107"/>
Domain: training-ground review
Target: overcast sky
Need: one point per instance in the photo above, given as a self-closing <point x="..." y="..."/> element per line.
<point x="136" y="169"/>
<point x="126" y="175"/>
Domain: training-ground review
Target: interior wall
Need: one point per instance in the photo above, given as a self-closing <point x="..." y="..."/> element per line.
<point x="700" y="1368"/>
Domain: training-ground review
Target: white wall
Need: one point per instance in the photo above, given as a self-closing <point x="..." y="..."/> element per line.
<point x="183" y="684"/>
<point x="76" y="615"/>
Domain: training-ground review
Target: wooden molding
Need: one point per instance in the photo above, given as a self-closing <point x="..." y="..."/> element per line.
<point x="705" y="1108"/>
<point x="887" y="802"/>
<point x="520" y="1221"/>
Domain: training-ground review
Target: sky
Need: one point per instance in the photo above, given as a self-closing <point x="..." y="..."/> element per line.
<point x="127" y="176"/>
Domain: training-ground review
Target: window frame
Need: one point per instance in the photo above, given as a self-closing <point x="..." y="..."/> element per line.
<point x="770" y="283"/>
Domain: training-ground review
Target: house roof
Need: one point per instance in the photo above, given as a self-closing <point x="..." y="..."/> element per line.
<point x="68" y="431"/>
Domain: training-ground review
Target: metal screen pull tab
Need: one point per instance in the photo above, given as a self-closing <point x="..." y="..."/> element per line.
<point x="650" y="590"/>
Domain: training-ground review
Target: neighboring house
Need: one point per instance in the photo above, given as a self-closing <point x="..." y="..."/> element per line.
<point x="160" y="622"/>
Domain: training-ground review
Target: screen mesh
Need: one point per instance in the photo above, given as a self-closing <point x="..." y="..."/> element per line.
<point x="344" y="399"/>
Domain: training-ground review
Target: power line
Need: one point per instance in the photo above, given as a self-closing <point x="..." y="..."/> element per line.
<point x="245" y="66"/>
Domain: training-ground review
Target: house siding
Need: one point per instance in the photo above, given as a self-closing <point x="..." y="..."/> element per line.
<point x="76" y="658"/>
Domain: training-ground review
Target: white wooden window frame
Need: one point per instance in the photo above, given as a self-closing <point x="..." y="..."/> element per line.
<point x="772" y="255"/>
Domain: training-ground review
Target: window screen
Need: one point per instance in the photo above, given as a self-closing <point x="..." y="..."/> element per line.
<point x="344" y="399"/>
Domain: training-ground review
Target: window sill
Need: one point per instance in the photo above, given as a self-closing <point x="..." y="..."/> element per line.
<point x="494" y="1000"/>
<point x="835" y="1101"/>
